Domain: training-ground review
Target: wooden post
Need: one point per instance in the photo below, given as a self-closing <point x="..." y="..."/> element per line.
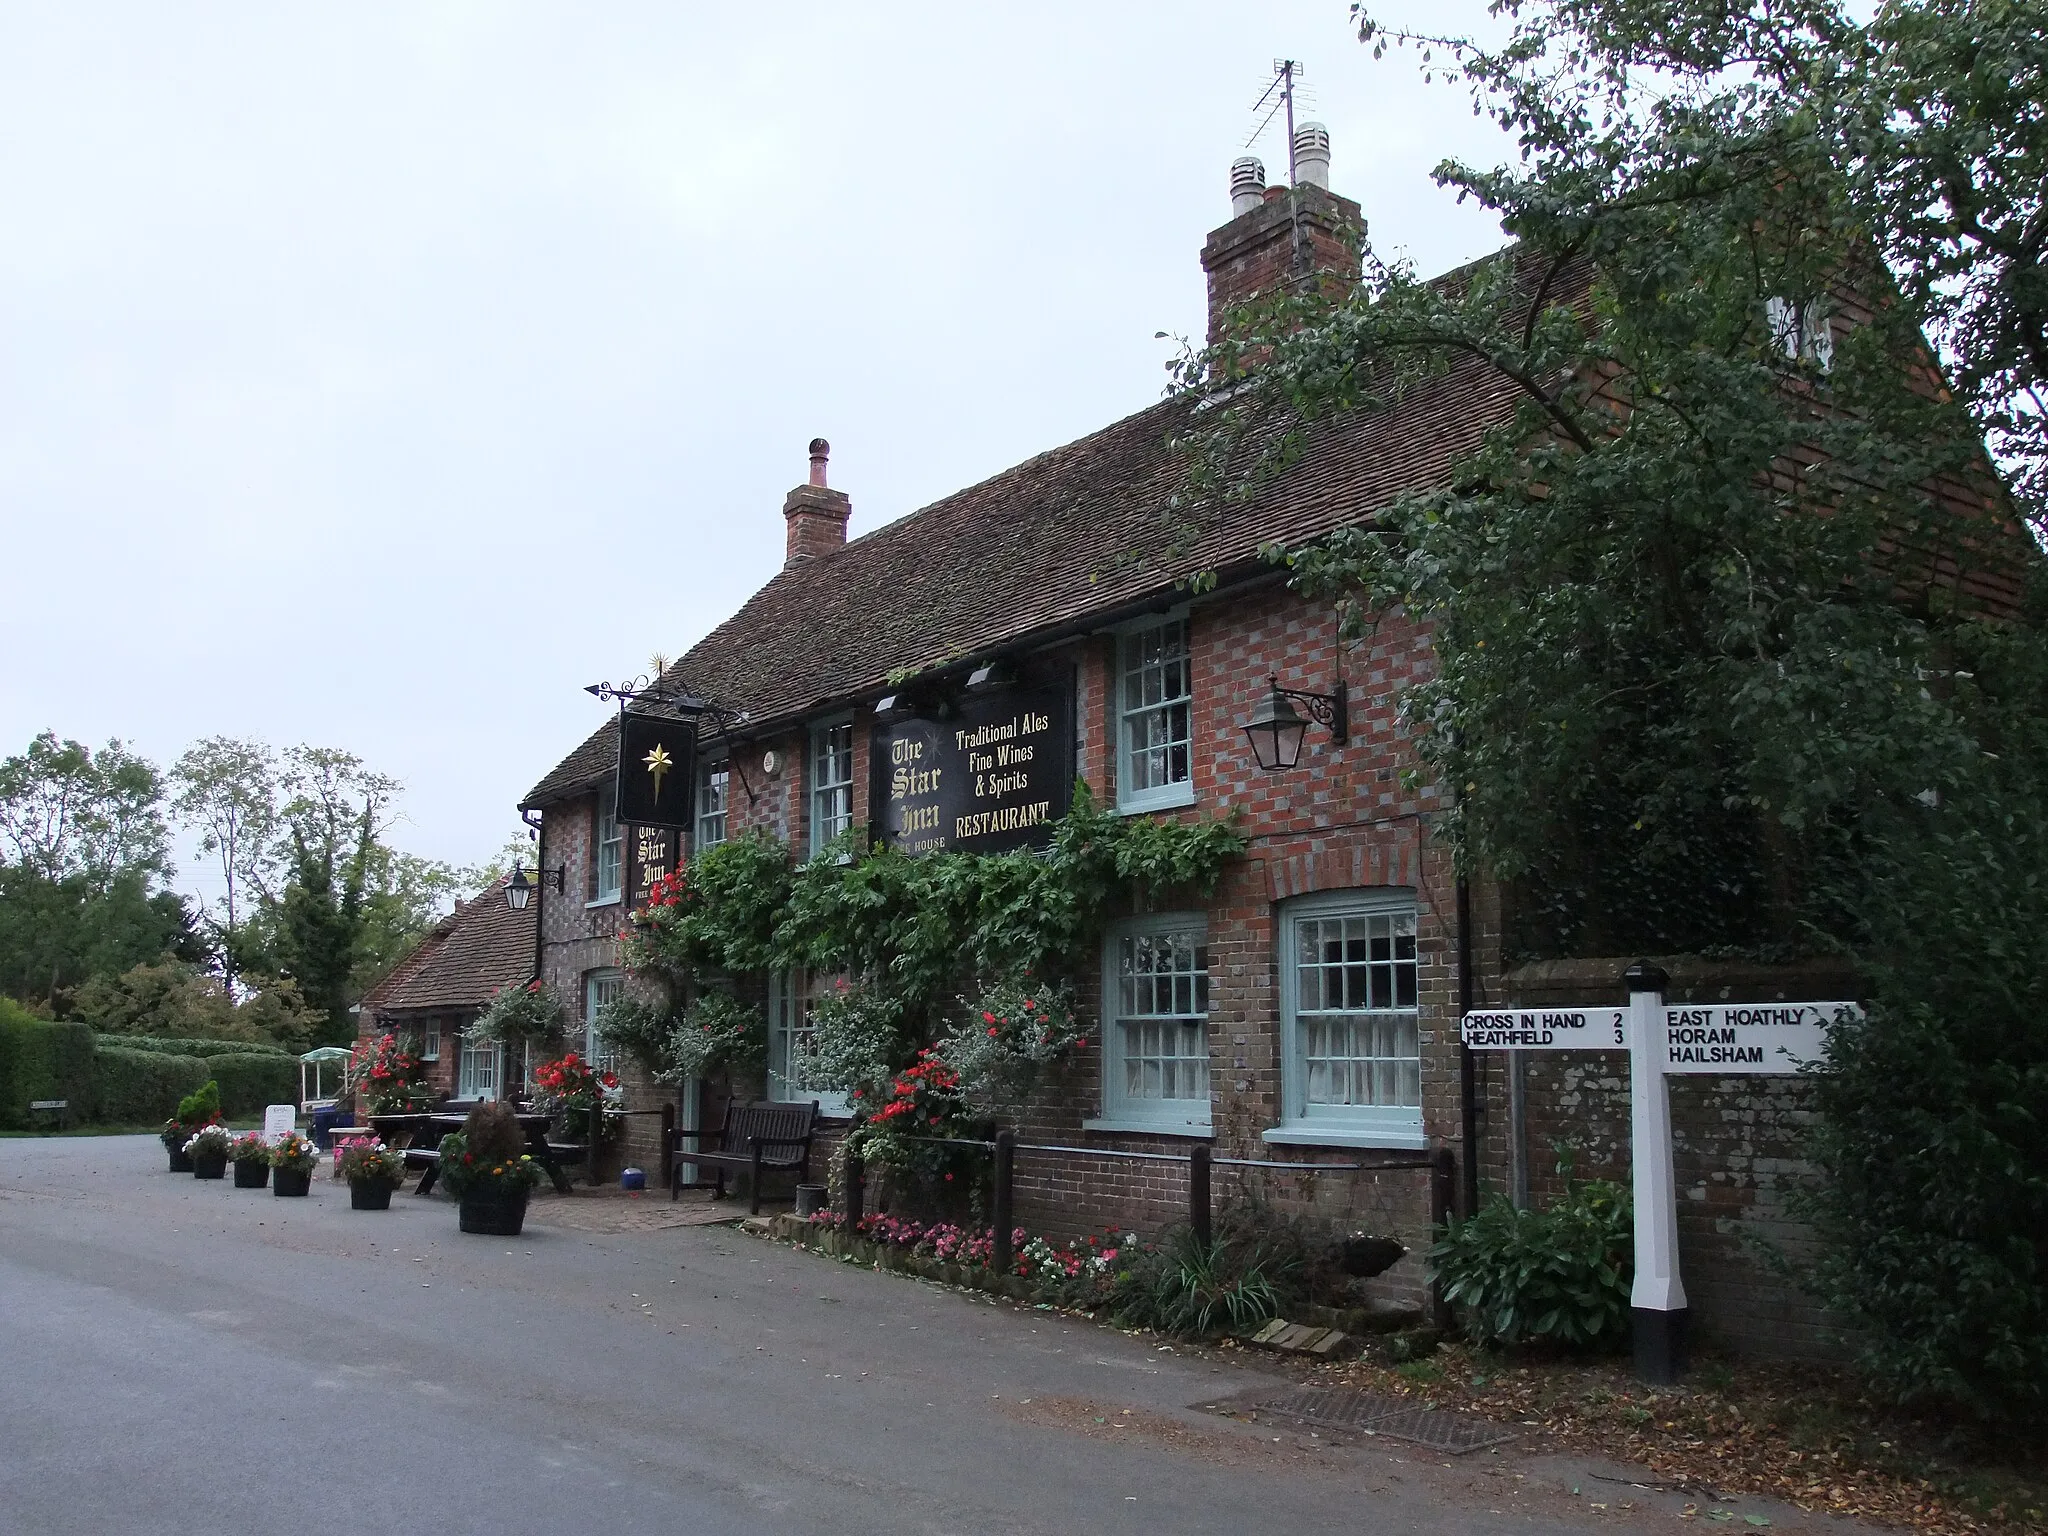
<point x="596" y="1135"/>
<point x="1198" y="1193"/>
<point x="1443" y="1191"/>
<point x="1006" y="1167"/>
<point x="856" y="1193"/>
<point x="668" y="1146"/>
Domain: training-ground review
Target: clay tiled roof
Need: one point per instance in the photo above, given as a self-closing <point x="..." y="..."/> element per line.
<point x="1040" y="546"/>
<point x="483" y="947"/>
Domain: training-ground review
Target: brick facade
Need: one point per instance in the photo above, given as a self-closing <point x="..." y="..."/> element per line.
<point x="937" y="592"/>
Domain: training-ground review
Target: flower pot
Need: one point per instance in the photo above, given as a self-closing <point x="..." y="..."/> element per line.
<point x="292" y="1181"/>
<point x="493" y="1215"/>
<point x="251" y="1173"/>
<point x="209" y="1165"/>
<point x="181" y="1160"/>
<point x="369" y="1195"/>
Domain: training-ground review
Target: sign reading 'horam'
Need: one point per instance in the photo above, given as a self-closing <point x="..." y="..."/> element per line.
<point x="1725" y="1038"/>
<point x="1735" y="1038"/>
<point x="992" y="776"/>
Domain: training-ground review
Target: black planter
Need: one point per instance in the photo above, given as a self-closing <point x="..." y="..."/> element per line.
<point x="369" y="1196"/>
<point x="251" y="1173"/>
<point x="493" y="1215"/>
<point x="209" y="1165"/>
<point x="181" y="1160"/>
<point x="291" y="1181"/>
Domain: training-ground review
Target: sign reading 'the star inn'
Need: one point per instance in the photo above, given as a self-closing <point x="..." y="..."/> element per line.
<point x="993" y="775"/>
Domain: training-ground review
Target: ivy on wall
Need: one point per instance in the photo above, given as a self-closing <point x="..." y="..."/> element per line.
<point x="922" y="941"/>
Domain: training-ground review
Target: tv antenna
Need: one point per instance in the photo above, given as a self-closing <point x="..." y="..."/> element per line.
<point x="1280" y="91"/>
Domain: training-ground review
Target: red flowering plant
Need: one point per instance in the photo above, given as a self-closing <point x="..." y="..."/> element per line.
<point x="573" y="1087"/>
<point x="388" y="1073"/>
<point x="718" y="915"/>
<point x="1011" y="1038"/>
<point x="923" y="1109"/>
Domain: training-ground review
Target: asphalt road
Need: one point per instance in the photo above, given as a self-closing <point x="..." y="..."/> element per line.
<point x="182" y="1357"/>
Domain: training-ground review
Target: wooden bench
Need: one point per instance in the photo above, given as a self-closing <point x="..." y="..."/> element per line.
<point x="55" y="1111"/>
<point x="759" y="1138"/>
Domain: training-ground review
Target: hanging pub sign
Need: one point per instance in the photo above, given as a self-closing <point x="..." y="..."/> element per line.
<point x="653" y="857"/>
<point x="995" y="774"/>
<point x="657" y="770"/>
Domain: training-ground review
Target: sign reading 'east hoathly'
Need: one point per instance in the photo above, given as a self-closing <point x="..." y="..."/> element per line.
<point x="1731" y="1038"/>
<point x="657" y="770"/>
<point x="1722" y="1039"/>
<point x="994" y="775"/>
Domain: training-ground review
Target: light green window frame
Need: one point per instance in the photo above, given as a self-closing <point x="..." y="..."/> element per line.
<point x="1155" y="1025"/>
<point x="1350" y="1020"/>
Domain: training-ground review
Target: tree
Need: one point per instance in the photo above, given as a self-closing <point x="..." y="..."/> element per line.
<point x="227" y="792"/>
<point x="1931" y="113"/>
<point x="180" y="1001"/>
<point x="67" y="812"/>
<point x="1739" y="637"/>
<point x="404" y="896"/>
<point x="83" y="853"/>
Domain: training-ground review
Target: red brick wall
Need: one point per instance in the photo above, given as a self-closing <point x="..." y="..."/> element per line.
<point x="1342" y="820"/>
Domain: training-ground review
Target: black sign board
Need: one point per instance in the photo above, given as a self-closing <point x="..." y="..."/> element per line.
<point x="994" y="775"/>
<point x="657" y="770"/>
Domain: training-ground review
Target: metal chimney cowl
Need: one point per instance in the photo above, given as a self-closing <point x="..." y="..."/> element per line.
<point x="1312" y="156"/>
<point x="1247" y="185"/>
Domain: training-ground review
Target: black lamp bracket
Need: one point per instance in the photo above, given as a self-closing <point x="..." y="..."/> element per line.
<point x="1329" y="709"/>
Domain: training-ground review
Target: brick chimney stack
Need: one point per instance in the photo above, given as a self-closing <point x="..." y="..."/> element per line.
<point x="1282" y="238"/>
<point x="816" y="514"/>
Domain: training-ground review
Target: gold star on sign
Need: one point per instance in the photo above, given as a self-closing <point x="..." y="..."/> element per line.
<point x="658" y="763"/>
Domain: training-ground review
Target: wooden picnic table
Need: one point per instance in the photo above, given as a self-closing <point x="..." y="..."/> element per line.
<point x="423" y="1131"/>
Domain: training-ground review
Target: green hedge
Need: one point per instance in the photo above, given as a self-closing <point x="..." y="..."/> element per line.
<point x="40" y="1059"/>
<point x="194" y="1047"/>
<point x="142" y="1087"/>
<point x="249" y="1080"/>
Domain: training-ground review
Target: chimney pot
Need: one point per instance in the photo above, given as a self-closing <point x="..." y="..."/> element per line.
<point x="1281" y="239"/>
<point x="816" y="517"/>
<point x="1312" y="156"/>
<point x="1247" y="185"/>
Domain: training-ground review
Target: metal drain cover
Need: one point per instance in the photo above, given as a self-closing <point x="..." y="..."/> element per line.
<point x="1346" y="1410"/>
<point x="1376" y="1413"/>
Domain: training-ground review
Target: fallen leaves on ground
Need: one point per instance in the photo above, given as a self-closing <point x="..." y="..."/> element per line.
<point x="1797" y="1433"/>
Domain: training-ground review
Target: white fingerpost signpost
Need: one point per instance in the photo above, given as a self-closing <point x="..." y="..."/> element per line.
<point x="1657" y="1300"/>
<point x="1721" y="1040"/>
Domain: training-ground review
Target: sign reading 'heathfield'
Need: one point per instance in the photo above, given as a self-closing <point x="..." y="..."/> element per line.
<point x="994" y="775"/>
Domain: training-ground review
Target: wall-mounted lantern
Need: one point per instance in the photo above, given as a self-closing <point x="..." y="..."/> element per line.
<point x="1277" y="728"/>
<point x="520" y="888"/>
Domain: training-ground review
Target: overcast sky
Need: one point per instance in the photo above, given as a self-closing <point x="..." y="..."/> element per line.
<point x="377" y="376"/>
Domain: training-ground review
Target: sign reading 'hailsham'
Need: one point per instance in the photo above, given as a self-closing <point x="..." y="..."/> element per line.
<point x="657" y="770"/>
<point x="995" y="775"/>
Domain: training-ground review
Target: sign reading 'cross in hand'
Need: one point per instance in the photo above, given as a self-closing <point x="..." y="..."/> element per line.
<point x="1722" y="1039"/>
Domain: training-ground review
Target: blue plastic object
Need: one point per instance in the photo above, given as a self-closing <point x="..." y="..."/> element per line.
<point x="632" y="1178"/>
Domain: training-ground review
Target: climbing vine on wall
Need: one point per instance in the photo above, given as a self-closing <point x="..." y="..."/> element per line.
<point x="914" y="936"/>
